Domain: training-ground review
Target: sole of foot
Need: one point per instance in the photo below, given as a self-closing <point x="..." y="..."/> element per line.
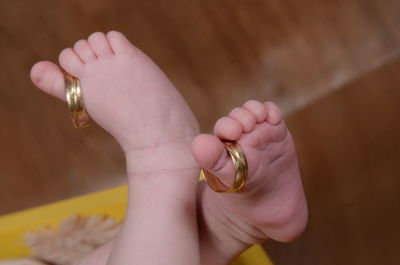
<point x="272" y="203"/>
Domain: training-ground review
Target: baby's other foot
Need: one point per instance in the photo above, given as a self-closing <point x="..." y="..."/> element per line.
<point x="272" y="202"/>
<point x="129" y="96"/>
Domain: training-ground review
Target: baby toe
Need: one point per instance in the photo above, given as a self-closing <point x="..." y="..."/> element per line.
<point x="257" y="108"/>
<point x="207" y="150"/>
<point x="100" y="45"/>
<point x="84" y="51"/>
<point x="246" y="119"/>
<point x="228" y="128"/>
<point x="211" y="155"/>
<point x="119" y="43"/>
<point x="274" y="115"/>
<point x="48" y="78"/>
<point x="71" y="62"/>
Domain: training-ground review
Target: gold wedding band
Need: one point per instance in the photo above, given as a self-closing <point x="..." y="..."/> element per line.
<point x="240" y="164"/>
<point x="76" y="105"/>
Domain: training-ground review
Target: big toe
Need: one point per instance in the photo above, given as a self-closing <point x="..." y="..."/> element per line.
<point x="48" y="78"/>
<point x="212" y="156"/>
<point x="119" y="43"/>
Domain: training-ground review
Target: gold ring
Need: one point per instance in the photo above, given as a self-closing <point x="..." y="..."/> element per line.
<point x="240" y="164"/>
<point x="76" y="105"/>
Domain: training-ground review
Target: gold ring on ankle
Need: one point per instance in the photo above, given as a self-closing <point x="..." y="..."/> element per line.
<point x="76" y="105"/>
<point x="240" y="164"/>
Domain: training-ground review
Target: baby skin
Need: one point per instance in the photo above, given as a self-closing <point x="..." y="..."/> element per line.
<point x="131" y="98"/>
<point x="272" y="202"/>
<point x="127" y="94"/>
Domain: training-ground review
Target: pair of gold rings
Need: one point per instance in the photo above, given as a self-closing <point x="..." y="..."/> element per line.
<point x="80" y="119"/>
<point x="76" y="105"/>
<point x="241" y="171"/>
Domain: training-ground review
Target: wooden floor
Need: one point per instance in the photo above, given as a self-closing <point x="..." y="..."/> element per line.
<point x="332" y="65"/>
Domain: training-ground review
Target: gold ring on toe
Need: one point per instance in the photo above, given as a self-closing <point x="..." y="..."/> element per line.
<point x="76" y="105"/>
<point x="240" y="164"/>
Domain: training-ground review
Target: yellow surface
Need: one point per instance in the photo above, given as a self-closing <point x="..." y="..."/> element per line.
<point x="111" y="202"/>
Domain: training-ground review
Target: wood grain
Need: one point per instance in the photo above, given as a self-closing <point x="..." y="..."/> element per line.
<point x="348" y="144"/>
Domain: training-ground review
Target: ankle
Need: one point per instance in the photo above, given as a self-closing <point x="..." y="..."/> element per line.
<point x="174" y="188"/>
<point x="164" y="159"/>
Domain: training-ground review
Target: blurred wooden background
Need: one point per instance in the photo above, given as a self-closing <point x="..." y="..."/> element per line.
<point x="332" y="65"/>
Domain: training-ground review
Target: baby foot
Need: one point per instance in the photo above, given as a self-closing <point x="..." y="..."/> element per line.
<point x="272" y="202"/>
<point x="130" y="97"/>
<point x="126" y="94"/>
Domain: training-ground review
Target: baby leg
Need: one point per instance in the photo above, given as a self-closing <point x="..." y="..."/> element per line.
<point x="131" y="98"/>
